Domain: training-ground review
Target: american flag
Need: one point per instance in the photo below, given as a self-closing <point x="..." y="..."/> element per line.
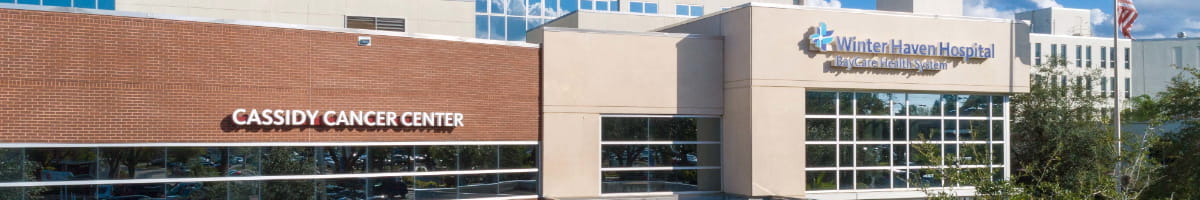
<point x="1127" y="14"/>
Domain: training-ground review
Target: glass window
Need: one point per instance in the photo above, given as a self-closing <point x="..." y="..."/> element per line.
<point x="288" y="161"/>
<point x="66" y="192"/>
<point x="614" y="6"/>
<point x="437" y="187"/>
<point x="624" y="182"/>
<point x="685" y="180"/>
<point x="1103" y="57"/>
<point x="391" y="187"/>
<point x="926" y="177"/>
<point x="820" y="103"/>
<point x="569" y="6"/>
<point x="997" y="154"/>
<point x="624" y="129"/>
<point x="12" y="164"/>
<point x="515" y="7"/>
<point x="900" y="130"/>
<point x="697" y="10"/>
<point x="924" y="154"/>
<point x="676" y="155"/>
<point x="974" y="130"/>
<point x="846" y="179"/>
<point x="820" y="180"/>
<point x="193" y="162"/>
<point x="30" y="2"/>
<point x="552" y="9"/>
<point x="846" y="103"/>
<point x="478" y="157"/>
<point x="518" y="156"/>
<point x="820" y="130"/>
<point x="1053" y="50"/>
<point x="974" y="154"/>
<point x="341" y="188"/>
<point x="245" y="190"/>
<point x="820" y="155"/>
<point x="498" y="6"/>
<point x="874" y="179"/>
<point x="926" y="130"/>
<point x="198" y="190"/>
<point x="288" y="189"/>
<point x="435" y="158"/>
<point x="951" y="130"/>
<point x="636" y="7"/>
<point x="132" y="163"/>
<point x="585" y="4"/>
<point x="244" y="161"/>
<point x="900" y="155"/>
<point x="652" y="8"/>
<point x="871" y="155"/>
<point x="477" y="186"/>
<point x="997" y="130"/>
<point x="624" y="156"/>
<point x="106" y="4"/>
<point x="898" y="104"/>
<point x="674" y="128"/>
<point x="534" y="7"/>
<point x="342" y="160"/>
<point x="681" y="9"/>
<point x="1078" y="55"/>
<point x="997" y="106"/>
<point x="874" y="103"/>
<point x="496" y="27"/>
<point x="1037" y="49"/>
<point x="973" y="105"/>
<point x="518" y="184"/>
<point x="62" y="3"/>
<point x="391" y="158"/>
<point x="846" y="151"/>
<point x="602" y="5"/>
<point x="516" y="28"/>
<point x="924" y="105"/>
<point x="846" y="131"/>
<point x="874" y="129"/>
<point x="951" y="104"/>
<point x="1089" y="56"/>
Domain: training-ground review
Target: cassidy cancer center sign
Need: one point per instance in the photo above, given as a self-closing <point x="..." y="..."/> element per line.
<point x="854" y="52"/>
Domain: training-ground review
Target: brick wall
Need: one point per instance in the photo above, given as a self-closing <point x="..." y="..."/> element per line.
<point x="80" y="78"/>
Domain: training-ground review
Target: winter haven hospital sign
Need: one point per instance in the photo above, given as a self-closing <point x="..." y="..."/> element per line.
<point x="913" y="56"/>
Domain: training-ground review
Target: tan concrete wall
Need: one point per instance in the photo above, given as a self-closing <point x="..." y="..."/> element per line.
<point x="588" y="74"/>
<point x="936" y="7"/>
<point x="443" y="17"/>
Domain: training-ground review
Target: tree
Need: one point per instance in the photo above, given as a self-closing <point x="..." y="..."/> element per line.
<point x="1178" y="151"/>
<point x="1063" y="148"/>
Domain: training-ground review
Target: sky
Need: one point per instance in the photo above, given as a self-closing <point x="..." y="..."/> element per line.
<point x="1158" y="18"/>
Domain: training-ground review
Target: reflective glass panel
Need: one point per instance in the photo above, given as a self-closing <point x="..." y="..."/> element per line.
<point x="437" y="187"/>
<point x="625" y="156"/>
<point x="925" y="177"/>
<point x="675" y="128"/>
<point x="288" y="189"/>
<point x="821" y="180"/>
<point x="845" y="130"/>
<point x="152" y="190"/>
<point x="820" y="155"/>
<point x="924" y="154"/>
<point x="997" y="154"/>
<point x="974" y="105"/>
<point x="198" y="190"/>
<point x="846" y="180"/>
<point x="998" y="106"/>
<point x="925" y="130"/>
<point x="974" y="130"/>
<point x="820" y="103"/>
<point x="624" y="181"/>
<point x="846" y="151"/>
<point x="391" y="187"/>
<point x="974" y="154"/>
<point x="951" y="130"/>
<point x="132" y="163"/>
<point x="924" y="105"/>
<point x="287" y="161"/>
<point x="12" y="164"/>
<point x="997" y="130"/>
<point x="518" y="184"/>
<point x="900" y="178"/>
<point x="477" y="186"/>
<point x="478" y="157"/>
<point x="874" y="129"/>
<point x="65" y="192"/>
<point x="339" y="189"/>
<point x="244" y="161"/>
<point x="342" y="160"/>
<point x="898" y="104"/>
<point x="874" y="103"/>
<point x="518" y="156"/>
<point x="391" y="158"/>
<point x="191" y="162"/>
<point x="900" y="155"/>
<point x="950" y="103"/>
<point x="435" y="158"/>
<point x="874" y="155"/>
<point x="820" y="130"/>
<point x="624" y="129"/>
<point x="677" y="155"/>
<point x="900" y="130"/>
<point x="846" y="103"/>
<point x="245" y="190"/>
<point x="684" y="180"/>
<point x="874" y="179"/>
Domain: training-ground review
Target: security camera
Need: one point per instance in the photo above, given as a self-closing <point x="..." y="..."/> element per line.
<point x="364" y="41"/>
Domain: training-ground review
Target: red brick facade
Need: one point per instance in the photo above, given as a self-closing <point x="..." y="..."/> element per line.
<point x="80" y="78"/>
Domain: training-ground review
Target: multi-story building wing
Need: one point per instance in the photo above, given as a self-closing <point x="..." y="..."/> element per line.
<point x="1066" y="33"/>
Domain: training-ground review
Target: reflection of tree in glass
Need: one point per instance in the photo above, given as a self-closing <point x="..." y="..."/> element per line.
<point x="129" y="159"/>
<point x="873" y="103"/>
<point x="288" y="161"/>
<point x="12" y="169"/>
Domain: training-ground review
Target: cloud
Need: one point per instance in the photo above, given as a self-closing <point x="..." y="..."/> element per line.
<point x="982" y="8"/>
<point x="823" y="3"/>
<point x="1099" y="17"/>
<point x="1046" y="3"/>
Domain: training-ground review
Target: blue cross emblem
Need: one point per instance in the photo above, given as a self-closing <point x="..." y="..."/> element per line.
<point x="822" y="37"/>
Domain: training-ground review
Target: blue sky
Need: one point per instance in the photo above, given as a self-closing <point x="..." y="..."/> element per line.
<point x="1159" y="18"/>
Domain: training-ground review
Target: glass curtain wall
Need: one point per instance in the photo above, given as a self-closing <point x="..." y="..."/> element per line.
<point x="882" y="140"/>
<point x="660" y="154"/>
<point x="270" y="172"/>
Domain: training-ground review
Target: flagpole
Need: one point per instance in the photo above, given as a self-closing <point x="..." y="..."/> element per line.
<point x="1117" y="95"/>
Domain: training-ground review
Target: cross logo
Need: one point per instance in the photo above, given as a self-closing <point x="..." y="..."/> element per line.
<point x="822" y="37"/>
